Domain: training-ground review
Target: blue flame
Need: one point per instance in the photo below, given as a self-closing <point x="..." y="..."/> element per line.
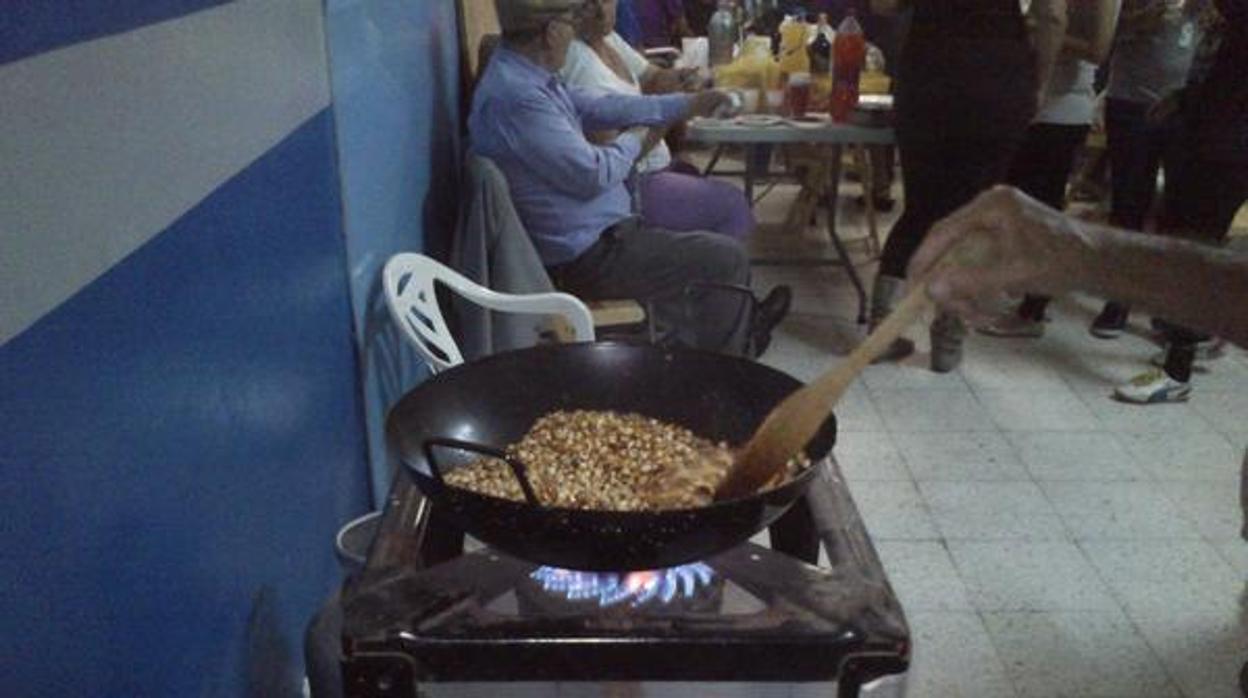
<point x="637" y="588"/>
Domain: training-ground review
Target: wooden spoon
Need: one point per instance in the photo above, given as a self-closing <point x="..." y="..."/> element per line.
<point x="792" y="423"/>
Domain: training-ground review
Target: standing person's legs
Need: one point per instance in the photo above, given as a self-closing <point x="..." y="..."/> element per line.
<point x="1200" y="202"/>
<point x="938" y="175"/>
<point x="1041" y="169"/>
<point x="1135" y="148"/>
<point x="684" y="202"/>
<point x="631" y="260"/>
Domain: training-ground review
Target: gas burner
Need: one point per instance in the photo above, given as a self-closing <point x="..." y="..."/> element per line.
<point x="636" y="588"/>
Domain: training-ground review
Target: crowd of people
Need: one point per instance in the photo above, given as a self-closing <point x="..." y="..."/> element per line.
<point x="993" y="101"/>
<point x="987" y="92"/>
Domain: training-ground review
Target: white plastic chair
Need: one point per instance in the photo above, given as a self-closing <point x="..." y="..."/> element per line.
<point x="409" y="280"/>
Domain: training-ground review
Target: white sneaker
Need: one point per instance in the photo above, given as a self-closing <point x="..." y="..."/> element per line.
<point x="1153" y="387"/>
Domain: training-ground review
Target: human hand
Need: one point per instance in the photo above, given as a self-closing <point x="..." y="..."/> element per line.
<point x="1163" y="109"/>
<point x="690" y="79"/>
<point x="706" y="102"/>
<point x="1003" y="242"/>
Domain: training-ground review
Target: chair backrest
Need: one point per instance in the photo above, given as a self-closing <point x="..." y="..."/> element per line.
<point x="477" y="19"/>
<point x="410" y="280"/>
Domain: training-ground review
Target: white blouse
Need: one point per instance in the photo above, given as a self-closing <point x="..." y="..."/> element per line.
<point x="583" y="68"/>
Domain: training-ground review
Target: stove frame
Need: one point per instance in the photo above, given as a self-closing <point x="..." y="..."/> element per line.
<point x="384" y="656"/>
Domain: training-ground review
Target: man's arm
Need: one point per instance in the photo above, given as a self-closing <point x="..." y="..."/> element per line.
<point x="602" y="111"/>
<point x="1095" y="48"/>
<point x="549" y="144"/>
<point x="1018" y="244"/>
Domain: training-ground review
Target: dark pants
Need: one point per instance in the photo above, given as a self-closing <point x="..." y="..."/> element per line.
<point x="962" y="106"/>
<point x="656" y="266"/>
<point x="1135" y="149"/>
<point x="1200" y="201"/>
<point x="1041" y="168"/>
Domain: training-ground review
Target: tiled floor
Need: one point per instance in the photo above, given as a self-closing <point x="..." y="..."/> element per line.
<point x="1044" y="540"/>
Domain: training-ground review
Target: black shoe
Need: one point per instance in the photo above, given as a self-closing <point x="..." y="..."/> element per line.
<point x="770" y="311"/>
<point x="1111" y="322"/>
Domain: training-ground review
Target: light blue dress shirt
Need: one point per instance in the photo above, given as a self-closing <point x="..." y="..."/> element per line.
<point x="566" y="189"/>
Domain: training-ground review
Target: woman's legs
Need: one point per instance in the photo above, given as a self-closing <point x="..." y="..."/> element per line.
<point x="1200" y="202"/>
<point x="684" y="202"/>
<point x="1135" y="149"/>
<point x="1040" y="168"/>
<point x="939" y="175"/>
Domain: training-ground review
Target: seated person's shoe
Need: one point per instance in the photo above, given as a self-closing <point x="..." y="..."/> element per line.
<point x="1013" y="325"/>
<point x="1111" y="322"/>
<point x="1153" y="387"/>
<point x="770" y="311"/>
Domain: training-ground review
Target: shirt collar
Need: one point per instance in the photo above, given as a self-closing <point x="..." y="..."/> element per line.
<point x="527" y="69"/>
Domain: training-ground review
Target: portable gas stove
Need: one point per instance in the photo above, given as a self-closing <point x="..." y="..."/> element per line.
<point x="427" y="618"/>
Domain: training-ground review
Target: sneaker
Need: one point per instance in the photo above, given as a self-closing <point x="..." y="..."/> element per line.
<point x="1111" y="322"/>
<point x="1206" y="351"/>
<point x="1153" y="387"/>
<point x="1013" y="325"/>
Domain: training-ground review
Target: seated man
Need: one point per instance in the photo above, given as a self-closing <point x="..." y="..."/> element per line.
<point x="572" y="195"/>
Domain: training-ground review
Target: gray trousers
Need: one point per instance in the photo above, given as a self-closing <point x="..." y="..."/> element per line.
<point x="1243" y="493"/>
<point x="633" y="260"/>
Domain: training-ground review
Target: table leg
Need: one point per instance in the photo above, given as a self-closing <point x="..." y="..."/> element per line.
<point x="750" y="151"/>
<point x="830" y="198"/>
<point x="710" y="166"/>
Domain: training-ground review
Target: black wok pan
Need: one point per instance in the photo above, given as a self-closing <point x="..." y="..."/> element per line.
<point x="494" y="401"/>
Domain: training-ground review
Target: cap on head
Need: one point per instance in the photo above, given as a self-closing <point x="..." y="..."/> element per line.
<point x="522" y="15"/>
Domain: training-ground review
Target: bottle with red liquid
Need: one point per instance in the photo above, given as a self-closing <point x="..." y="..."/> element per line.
<point x="849" y="55"/>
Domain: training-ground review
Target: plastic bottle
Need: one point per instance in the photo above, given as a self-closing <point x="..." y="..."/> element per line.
<point x="721" y="34"/>
<point x="793" y="58"/>
<point x="819" y="50"/>
<point x="849" y="54"/>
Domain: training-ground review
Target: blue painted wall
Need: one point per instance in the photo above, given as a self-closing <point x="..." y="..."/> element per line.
<point x="394" y="73"/>
<point x="183" y="435"/>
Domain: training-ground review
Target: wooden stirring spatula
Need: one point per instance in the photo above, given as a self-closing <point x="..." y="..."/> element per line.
<point x="792" y="423"/>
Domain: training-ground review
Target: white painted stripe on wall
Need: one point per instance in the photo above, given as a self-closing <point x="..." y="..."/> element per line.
<point x="106" y="143"/>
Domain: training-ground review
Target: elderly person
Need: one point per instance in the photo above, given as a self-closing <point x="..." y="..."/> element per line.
<point x="670" y="197"/>
<point x="571" y="194"/>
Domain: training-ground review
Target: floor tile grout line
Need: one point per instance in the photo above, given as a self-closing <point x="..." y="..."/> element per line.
<point x="1126" y="613"/>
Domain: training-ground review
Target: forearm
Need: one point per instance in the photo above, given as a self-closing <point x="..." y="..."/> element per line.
<point x="658" y="81"/>
<point x="1189" y="283"/>
<point x="604" y="112"/>
<point x="1049" y="21"/>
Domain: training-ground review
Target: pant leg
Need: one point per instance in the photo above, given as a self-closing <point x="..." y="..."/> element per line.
<point x="633" y="260"/>
<point x="882" y="158"/>
<point x="939" y="174"/>
<point x="1201" y="199"/>
<point x="1041" y="168"/>
<point x="679" y="201"/>
<point x="1135" y="148"/>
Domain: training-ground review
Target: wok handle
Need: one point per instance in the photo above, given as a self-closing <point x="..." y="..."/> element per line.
<point x="517" y="468"/>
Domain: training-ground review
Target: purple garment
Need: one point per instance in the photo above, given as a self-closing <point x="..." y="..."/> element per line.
<point x="566" y="189"/>
<point x="683" y="202"/>
<point x="657" y="18"/>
